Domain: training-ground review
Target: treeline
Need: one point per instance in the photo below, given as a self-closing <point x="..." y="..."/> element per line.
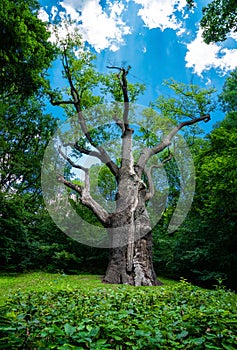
<point x="203" y="249"/>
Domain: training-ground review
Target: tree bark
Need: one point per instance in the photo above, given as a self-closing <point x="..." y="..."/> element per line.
<point x="138" y="271"/>
<point x="130" y="260"/>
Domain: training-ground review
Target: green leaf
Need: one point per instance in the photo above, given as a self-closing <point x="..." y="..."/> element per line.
<point x="69" y="330"/>
<point x="183" y="334"/>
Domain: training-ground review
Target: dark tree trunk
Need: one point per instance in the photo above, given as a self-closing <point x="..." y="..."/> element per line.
<point x="130" y="260"/>
<point x="137" y="271"/>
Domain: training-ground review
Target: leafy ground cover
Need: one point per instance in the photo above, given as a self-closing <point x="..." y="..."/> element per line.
<point x="78" y="312"/>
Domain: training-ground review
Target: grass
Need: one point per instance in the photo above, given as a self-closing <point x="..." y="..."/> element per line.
<point x="41" y="281"/>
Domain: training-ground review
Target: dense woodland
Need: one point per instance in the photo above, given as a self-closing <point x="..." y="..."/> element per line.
<point x="202" y="249"/>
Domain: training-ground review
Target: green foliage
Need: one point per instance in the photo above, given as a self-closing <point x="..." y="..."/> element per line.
<point x="189" y="101"/>
<point x="25" y="51"/>
<point x="178" y="316"/>
<point x="103" y="184"/>
<point x="219" y="19"/>
<point x="25" y="131"/>
<point x="190" y="3"/>
<point x="228" y="96"/>
<point x="112" y="88"/>
<point x="203" y="249"/>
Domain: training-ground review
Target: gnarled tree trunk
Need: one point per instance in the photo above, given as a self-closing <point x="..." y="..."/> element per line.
<point x="130" y="260"/>
<point x="136" y="270"/>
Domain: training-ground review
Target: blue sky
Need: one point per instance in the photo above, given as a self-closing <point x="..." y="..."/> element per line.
<point x="158" y="38"/>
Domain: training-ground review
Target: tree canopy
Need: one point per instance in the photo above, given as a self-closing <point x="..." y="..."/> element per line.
<point x="219" y="19"/>
<point x="25" y="52"/>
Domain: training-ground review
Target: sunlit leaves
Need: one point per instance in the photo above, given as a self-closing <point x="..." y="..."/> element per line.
<point x="228" y="96"/>
<point x="187" y="101"/>
<point x="25" y="51"/>
<point x="219" y="19"/>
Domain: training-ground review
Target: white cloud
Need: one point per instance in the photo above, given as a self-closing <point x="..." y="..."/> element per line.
<point x="54" y="12"/>
<point x="162" y="13"/>
<point x="202" y="57"/>
<point x="71" y="12"/>
<point x="43" y="15"/>
<point x="233" y="35"/>
<point x="99" y="28"/>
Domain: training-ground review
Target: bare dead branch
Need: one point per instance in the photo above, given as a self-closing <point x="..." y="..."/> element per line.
<point x="70" y="161"/>
<point x="147" y="153"/>
<point x="69" y="184"/>
<point x="122" y="76"/>
<point x="86" y="199"/>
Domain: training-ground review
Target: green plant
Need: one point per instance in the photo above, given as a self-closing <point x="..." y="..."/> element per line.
<point x="178" y="316"/>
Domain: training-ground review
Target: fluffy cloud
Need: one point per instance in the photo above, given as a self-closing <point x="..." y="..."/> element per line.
<point x="103" y="30"/>
<point x="162" y="13"/>
<point x="43" y="15"/>
<point x="202" y="57"/>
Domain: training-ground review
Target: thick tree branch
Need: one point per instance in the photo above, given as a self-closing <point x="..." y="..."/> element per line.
<point x="167" y="140"/>
<point x="122" y="76"/>
<point x="83" y="150"/>
<point x="69" y="184"/>
<point x="148" y="171"/>
<point x="85" y="197"/>
<point x="147" y="153"/>
<point x="103" y="157"/>
<point x="119" y="123"/>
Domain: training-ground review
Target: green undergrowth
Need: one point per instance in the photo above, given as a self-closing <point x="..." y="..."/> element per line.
<point x="79" y="312"/>
<point x="42" y="282"/>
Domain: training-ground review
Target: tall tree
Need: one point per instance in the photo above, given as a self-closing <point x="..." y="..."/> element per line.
<point x="25" y="128"/>
<point x="25" y="52"/>
<point x="128" y="226"/>
<point x="25" y="131"/>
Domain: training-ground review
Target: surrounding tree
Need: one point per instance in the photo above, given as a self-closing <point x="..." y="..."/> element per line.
<point x="128" y="226"/>
<point x="203" y="248"/>
<point x="228" y="96"/>
<point x="25" y="128"/>
<point x="219" y="19"/>
<point x="24" y="133"/>
<point x="206" y="245"/>
<point x="25" y="52"/>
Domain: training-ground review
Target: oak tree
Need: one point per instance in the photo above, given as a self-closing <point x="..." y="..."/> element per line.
<point x="128" y="225"/>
